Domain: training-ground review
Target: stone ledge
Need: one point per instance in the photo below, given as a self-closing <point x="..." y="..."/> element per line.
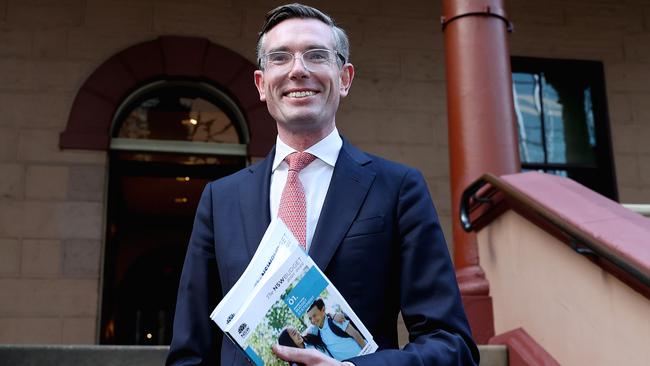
<point x="64" y="355"/>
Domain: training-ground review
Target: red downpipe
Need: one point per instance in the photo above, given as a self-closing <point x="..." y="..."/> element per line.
<point x="482" y="130"/>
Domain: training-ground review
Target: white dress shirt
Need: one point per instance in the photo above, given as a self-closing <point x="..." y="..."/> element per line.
<point x="315" y="177"/>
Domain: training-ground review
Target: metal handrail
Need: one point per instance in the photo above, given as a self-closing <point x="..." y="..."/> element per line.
<point x="642" y="209"/>
<point x="580" y="241"/>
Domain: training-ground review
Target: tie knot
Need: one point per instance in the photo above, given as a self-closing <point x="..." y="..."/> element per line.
<point x="298" y="160"/>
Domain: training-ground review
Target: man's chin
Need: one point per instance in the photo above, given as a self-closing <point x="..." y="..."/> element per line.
<point x="304" y="124"/>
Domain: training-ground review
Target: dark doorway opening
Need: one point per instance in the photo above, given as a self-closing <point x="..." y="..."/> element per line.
<point x="151" y="204"/>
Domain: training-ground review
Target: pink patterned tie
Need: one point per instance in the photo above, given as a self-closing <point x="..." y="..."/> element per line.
<point x="293" y="205"/>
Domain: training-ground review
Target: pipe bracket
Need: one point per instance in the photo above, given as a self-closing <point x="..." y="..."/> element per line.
<point x="486" y="12"/>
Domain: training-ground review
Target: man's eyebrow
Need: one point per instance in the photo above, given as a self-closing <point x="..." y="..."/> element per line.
<point x="309" y="47"/>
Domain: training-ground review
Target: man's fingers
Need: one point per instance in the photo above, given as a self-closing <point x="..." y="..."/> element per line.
<point x="301" y="355"/>
<point x="290" y="353"/>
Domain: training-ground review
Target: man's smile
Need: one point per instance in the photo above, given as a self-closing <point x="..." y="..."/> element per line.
<point x="300" y="93"/>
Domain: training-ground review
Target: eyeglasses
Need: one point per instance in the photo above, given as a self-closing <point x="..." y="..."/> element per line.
<point x="313" y="60"/>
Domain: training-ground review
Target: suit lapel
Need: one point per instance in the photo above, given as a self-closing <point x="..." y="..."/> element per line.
<point x="347" y="191"/>
<point x="254" y="198"/>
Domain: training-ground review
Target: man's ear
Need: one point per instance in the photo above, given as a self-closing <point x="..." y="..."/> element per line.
<point x="347" y="74"/>
<point x="258" y="77"/>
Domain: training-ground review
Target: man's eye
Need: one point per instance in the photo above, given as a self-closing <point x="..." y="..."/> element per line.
<point x="317" y="56"/>
<point x="279" y="58"/>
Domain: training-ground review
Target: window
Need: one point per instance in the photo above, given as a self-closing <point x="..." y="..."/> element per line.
<point x="562" y="121"/>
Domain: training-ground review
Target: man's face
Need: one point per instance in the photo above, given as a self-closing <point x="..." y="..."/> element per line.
<point x="316" y="317"/>
<point x="298" y="99"/>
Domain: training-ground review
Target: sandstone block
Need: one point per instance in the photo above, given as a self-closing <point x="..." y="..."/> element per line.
<point x="644" y="171"/>
<point x="358" y="124"/>
<point x="15" y="42"/>
<point x="402" y="33"/>
<point x="613" y="15"/>
<point x="411" y="8"/>
<point x="99" y="44"/>
<point x="28" y="330"/>
<point x="48" y="297"/>
<point x="50" y="43"/>
<point x="11" y="180"/>
<point x="45" y="14"/>
<point x="53" y="109"/>
<point x="41" y="258"/>
<point x="635" y="49"/>
<point x="46" y="182"/>
<point x="43" y="75"/>
<point x="16" y="74"/>
<point x="8" y="143"/>
<point x="628" y="169"/>
<point x="366" y="93"/>
<point x="46" y="220"/>
<point x="78" y="330"/>
<point x="620" y="107"/>
<point x="406" y="128"/>
<point x="629" y="139"/>
<point x="81" y="258"/>
<point x="373" y="62"/>
<point x="633" y="194"/>
<point x="112" y="15"/>
<point x="9" y="256"/>
<point x="197" y="18"/>
<point x="87" y="182"/>
<point x="628" y="77"/>
<point x="536" y="13"/>
<point x="422" y="96"/>
<point x="423" y="64"/>
<point x="43" y="146"/>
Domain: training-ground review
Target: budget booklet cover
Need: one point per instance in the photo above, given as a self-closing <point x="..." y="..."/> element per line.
<point x="284" y="298"/>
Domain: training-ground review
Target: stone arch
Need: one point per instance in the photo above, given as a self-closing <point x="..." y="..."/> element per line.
<point x="89" y="123"/>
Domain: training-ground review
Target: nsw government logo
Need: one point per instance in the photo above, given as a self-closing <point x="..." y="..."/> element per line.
<point x="243" y="330"/>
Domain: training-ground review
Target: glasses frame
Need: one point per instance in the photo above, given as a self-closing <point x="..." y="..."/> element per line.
<point x="289" y="65"/>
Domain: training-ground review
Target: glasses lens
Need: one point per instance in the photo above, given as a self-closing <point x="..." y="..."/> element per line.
<point x="317" y="57"/>
<point x="279" y="58"/>
<point x="312" y="59"/>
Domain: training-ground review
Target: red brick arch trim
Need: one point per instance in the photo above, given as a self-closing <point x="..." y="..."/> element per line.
<point x="101" y="94"/>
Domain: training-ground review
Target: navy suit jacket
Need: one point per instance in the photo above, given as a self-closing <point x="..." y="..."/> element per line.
<point x="378" y="240"/>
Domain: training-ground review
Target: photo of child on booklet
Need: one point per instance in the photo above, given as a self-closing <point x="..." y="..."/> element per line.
<point x="334" y="334"/>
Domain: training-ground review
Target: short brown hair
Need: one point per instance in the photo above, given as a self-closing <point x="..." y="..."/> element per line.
<point x="295" y="10"/>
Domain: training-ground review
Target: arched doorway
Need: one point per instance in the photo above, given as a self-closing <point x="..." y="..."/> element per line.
<point x="172" y="114"/>
<point x="169" y="138"/>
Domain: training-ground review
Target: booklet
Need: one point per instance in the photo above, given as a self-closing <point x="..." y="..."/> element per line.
<point x="284" y="298"/>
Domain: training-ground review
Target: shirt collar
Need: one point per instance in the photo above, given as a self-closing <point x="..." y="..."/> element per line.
<point x="326" y="149"/>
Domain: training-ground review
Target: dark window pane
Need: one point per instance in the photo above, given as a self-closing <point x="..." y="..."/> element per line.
<point x="529" y="117"/>
<point x="562" y="120"/>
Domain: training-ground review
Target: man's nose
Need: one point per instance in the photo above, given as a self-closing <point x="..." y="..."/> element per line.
<point x="298" y="68"/>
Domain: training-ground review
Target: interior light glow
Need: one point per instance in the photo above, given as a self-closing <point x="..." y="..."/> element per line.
<point x="190" y="121"/>
<point x="183" y="179"/>
<point x="149" y="336"/>
<point x="180" y="200"/>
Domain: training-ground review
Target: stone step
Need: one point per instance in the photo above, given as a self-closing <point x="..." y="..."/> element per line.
<point x="79" y="355"/>
<point x="493" y="355"/>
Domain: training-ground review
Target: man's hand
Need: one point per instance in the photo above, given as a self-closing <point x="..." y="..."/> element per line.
<point x="307" y="357"/>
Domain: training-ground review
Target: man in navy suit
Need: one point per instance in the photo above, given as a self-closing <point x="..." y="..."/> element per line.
<point x="370" y="224"/>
